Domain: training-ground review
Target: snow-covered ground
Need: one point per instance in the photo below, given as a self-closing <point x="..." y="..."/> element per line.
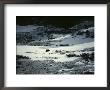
<point x="27" y="28"/>
<point x="71" y="40"/>
<point x="54" y="53"/>
<point x="89" y="29"/>
<point x="74" y="43"/>
<point x="39" y="52"/>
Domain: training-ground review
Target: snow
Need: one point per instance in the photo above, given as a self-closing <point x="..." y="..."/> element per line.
<point x="71" y="40"/>
<point x="39" y="52"/>
<point x="76" y="47"/>
<point x="54" y="53"/>
<point x="75" y="43"/>
<point x="61" y="38"/>
<point x="91" y="29"/>
<point x="27" y="28"/>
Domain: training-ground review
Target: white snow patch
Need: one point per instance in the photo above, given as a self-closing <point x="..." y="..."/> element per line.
<point x="39" y="52"/>
<point x="27" y="28"/>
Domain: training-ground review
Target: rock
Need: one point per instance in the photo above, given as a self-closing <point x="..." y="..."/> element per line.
<point x="79" y="63"/>
<point x="47" y="50"/>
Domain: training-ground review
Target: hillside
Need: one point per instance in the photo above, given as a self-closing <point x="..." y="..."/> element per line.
<point x="55" y="50"/>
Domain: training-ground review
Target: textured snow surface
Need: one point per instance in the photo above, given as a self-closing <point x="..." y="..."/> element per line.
<point x="39" y="52"/>
<point x="50" y="50"/>
<point x="27" y="28"/>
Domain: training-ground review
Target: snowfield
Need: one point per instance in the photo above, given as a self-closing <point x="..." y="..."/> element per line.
<point x="27" y="28"/>
<point x="41" y="51"/>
